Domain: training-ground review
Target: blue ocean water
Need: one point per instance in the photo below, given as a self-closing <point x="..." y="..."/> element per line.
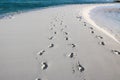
<point x="8" y="6"/>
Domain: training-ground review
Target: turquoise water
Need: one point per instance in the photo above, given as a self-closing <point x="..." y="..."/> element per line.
<point x="8" y="6"/>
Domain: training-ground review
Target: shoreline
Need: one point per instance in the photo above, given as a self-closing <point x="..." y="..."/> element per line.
<point x="56" y="44"/>
<point x="87" y="16"/>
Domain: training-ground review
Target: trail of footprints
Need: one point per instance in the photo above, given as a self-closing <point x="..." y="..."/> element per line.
<point x="44" y="64"/>
<point x="77" y="67"/>
<point x="92" y="31"/>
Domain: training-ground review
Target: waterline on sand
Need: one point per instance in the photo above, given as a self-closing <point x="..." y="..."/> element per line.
<point x="86" y="14"/>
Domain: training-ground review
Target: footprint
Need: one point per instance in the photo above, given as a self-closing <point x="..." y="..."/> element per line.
<point x="71" y="55"/>
<point x="73" y="70"/>
<point x="99" y="37"/>
<point x="66" y="38"/>
<point x="41" y="52"/>
<point x="51" y="28"/>
<point x="55" y="32"/>
<point x="73" y="45"/>
<point x="85" y="24"/>
<point x="50" y="38"/>
<point x="102" y="43"/>
<point x="91" y="28"/>
<point x="65" y="26"/>
<point x="80" y="67"/>
<point x="79" y="17"/>
<point x="92" y="32"/>
<point x="51" y="45"/>
<point x="44" y="65"/>
<point x="38" y="79"/>
<point x="116" y="52"/>
<point x="61" y="29"/>
<point x="65" y="33"/>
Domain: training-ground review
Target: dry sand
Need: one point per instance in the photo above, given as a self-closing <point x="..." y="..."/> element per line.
<point x="57" y="43"/>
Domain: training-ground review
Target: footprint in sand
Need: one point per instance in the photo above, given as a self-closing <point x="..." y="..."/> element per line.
<point x="51" y="45"/>
<point x="91" y="28"/>
<point x="80" y="67"/>
<point x="66" y="38"/>
<point x="55" y="32"/>
<point x="92" y="32"/>
<point x="44" y="65"/>
<point x="79" y="17"/>
<point x="54" y="25"/>
<point x="71" y="55"/>
<point x="116" y="52"/>
<point x="102" y="43"/>
<point x="99" y="37"/>
<point x="73" y="70"/>
<point x="65" y="26"/>
<point x="73" y="45"/>
<point x="61" y="29"/>
<point x="50" y="38"/>
<point x="65" y="33"/>
<point x="51" y="28"/>
<point x="38" y="79"/>
<point x="41" y="52"/>
<point x="85" y="24"/>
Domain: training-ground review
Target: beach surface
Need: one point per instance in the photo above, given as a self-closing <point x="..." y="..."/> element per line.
<point x="70" y="42"/>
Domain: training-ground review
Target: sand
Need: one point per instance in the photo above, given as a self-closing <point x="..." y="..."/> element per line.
<point x="57" y="43"/>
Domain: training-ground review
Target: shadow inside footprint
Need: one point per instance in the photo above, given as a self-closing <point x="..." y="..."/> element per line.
<point x="44" y="65"/>
<point x="80" y="67"/>
<point x="91" y="28"/>
<point x="55" y="32"/>
<point x="66" y="38"/>
<point x="99" y="37"/>
<point x="102" y="43"/>
<point x="65" y="26"/>
<point x="71" y="55"/>
<point x="51" y="45"/>
<point x="73" y="45"/>
<point x="92" y="32"/>
<point x="65" y="33"/>
<point x="116" y="52"/>
<point x="85" y="24"/>
<point x="38" y="79"/>
<point x="79" y="17"/>
<point x="51" y="28"/>
<point x="50" y="38"/>
<point x="41" y="52"/>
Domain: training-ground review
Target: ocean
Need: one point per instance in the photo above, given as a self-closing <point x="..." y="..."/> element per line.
<point x="10" y="6"/>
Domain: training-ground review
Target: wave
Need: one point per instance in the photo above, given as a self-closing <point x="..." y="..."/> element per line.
<point x="7" y="6"/>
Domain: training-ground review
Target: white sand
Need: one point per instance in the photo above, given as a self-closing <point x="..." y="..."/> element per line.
<point x="86" y="15"/>
<point x="109" y="22"/>
<point x="26" y="35"/>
